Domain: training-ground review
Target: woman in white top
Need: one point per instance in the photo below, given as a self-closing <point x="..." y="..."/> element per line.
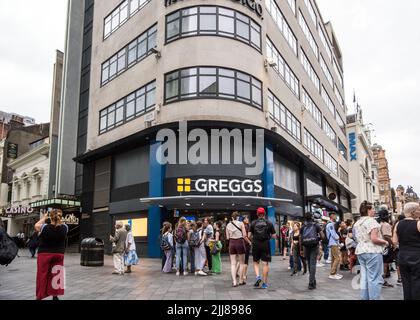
<point x="130" y="257"/>
<point x="370" y="244"/>
<point x="236" y="233"/>
<point x="168" y="247"/>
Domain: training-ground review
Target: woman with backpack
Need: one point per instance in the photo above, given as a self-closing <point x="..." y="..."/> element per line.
<point x="50" y="263"/>
<point x="236" y="233"/>
<point x="167" y="246"/>
<point x="216" y="247"/>
<point x="200" y="255"/>
<point x="181" y="239"/>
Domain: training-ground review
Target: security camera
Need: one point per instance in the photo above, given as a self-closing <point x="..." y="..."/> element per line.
<point x="156" y="52"/>
<point x="269" y="62"/>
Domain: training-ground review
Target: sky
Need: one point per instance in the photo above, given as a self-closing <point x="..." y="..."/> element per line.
<point x="380" y="42"/>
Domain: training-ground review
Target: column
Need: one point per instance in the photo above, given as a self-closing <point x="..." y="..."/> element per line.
<point x="156" y="189"/>
<point x="268" y="177"/>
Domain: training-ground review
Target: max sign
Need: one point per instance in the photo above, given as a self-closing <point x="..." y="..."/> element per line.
<point x="352" y="144"/>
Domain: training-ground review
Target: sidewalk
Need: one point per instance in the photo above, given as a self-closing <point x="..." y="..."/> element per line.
<point x="147" y="282"/>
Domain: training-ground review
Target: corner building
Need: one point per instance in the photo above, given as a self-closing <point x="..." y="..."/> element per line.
<point x="147" y="65"/>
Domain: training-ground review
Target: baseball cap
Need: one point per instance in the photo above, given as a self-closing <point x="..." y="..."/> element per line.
<point x="261" y="211"/>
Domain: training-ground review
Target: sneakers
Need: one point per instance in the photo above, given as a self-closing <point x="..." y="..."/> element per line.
<point x="177" y="274"/>
<point x="185" y="273"/>
<point x="399" y="282"/>
<point x="328" y="262"/>
<point x="288" y="268"/>
<point x="335" y="277"/>
<point x="258" y="282"/>
<point x="196" y="273"/>
<point x="264" y="286"/>
<point x="320" y="265"/>
<point x="387" y="285"/>
<point x="202" y="273"/>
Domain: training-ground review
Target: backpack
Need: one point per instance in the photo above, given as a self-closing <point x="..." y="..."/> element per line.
<point x="181" y="235"/>
<point x="261" y="230"/>
<point x="310" y="236"/>
<point x="194" y="239"/>
<point x="164" y="243"/>
<point x="326" y="238"/>
<point x="8" y="248"/>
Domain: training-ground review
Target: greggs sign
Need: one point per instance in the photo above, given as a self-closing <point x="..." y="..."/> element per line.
<point x="252" y="5"/>
<point x="219" y="186"/>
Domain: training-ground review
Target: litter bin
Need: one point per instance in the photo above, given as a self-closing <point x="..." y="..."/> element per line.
<point x="92" y="252"/>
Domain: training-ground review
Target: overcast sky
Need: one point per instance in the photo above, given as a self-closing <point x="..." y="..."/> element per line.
<point x="380" y="40"/>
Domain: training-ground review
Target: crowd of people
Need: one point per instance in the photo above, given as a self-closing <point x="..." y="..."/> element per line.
<point x="372" y="246"/>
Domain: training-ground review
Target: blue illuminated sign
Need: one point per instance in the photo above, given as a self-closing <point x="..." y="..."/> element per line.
<point x="353" y="148"/>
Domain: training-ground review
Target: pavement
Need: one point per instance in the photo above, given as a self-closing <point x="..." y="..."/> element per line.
<point x="17" y="282"/>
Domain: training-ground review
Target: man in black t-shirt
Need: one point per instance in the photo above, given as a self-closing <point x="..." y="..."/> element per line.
<point x="261" y="232"/>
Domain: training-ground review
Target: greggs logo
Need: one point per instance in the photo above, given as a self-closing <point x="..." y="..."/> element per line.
<point x="219" y="185"/>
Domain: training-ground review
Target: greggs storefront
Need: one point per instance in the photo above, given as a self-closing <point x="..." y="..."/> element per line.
<point x="127" y="182"/>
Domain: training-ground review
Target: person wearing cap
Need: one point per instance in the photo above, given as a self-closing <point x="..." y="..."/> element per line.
<point x="388" y="257"/>
<point x="261" y="232"/>
<point x="407" y="237"/>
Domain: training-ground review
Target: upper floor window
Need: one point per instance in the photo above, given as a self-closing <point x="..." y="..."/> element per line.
<point x="327" y="72"/>
<point x="121" y="14"/>
<point x="128" y="108"/>
<point x="311" y="10"/>
<point x="339" y="96"/>
<point x="282" y="68"/>
<point x="292" y="4"/>
<point x="329" y="131"/>
<point x="338" y="72"/>
<point x="284" y="117"/>
<point x="342" y="148"/>
<point x="312" y="108"/>
<point x="207" y="20"/>
<point x="308" y="34"/>
<point x="328" y="101"/>
<point x="313" y="146"/>
<point x="331" y="163"/>
<point x="325" y="42"/>
<point x="340" y="122"/>
<point x="282" y="24"/>
<point x="136" y="51"/>
<point x="309" y="70"/>
<point x="212" y="83"/>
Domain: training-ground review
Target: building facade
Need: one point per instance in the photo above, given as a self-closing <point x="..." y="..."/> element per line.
<point x="363" y="180"/>
<point x="194" y="67"/>
<point x="384" y="180"/>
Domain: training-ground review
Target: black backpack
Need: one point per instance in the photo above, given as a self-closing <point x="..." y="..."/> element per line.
<point x="310" y="237"/>
<point x="261" y="232"/>
<point x="8" y="248"/>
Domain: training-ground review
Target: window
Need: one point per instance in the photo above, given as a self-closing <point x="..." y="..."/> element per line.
<point x="121" y="14"/>
<point x="282" y="69"/>
<point x="339" y="97"/>
<point x="340" y="122"/>
<point x="136" y="51"/>
<point x="313" y="146"/>
<point x="128" y="108"/>
<point x="330" y="132"/>
<point x="309" y="69"/>
<point x="311" y="11"/>
<point x="342" y="148"/>
<point x="328" y="101"/>
<point x="292" y="4"/>
<point x="327" y="72"/>
<point x="312" y="108"/>
<point x="284" y="117"/>
<point x="217" y="21"/>
<point x="213" y="82"/>
<point x="325" y="42"/>
<point x="337" y="71"/>
<point x="308" y="34"/>
<point x="282" y="24"/>
<point x="331" y="163"/>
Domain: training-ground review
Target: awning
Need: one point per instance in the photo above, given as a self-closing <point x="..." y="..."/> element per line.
<point x="214" y="202"/>
<point x="62" y="203"/>
<point x="327" y="204"/>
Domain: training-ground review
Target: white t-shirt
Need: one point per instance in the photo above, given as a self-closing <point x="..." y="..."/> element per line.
<point x="362" y="230"/>
<point x="209" y="231"/>
<point x="130" y="239"/>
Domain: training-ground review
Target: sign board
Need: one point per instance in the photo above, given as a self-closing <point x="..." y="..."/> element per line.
<point x="19" y="210"/>
<point x="71" y="219"/>
<point x="219" y="186"/>
<point x="12" y="150"/>
<point x="353" y="146"/>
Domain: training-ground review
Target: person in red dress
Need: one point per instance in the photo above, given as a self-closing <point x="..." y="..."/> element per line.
<point x="50" y="264"/>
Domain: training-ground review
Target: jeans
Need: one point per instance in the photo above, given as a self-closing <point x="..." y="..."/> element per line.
<point x="311" y="254"/>
<point x="292" y="264"/>
<point x="371" y="281"/>
<point x="326" y="252"/>
<point x="32" y="251"/>
<point x="182" y="249"/>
